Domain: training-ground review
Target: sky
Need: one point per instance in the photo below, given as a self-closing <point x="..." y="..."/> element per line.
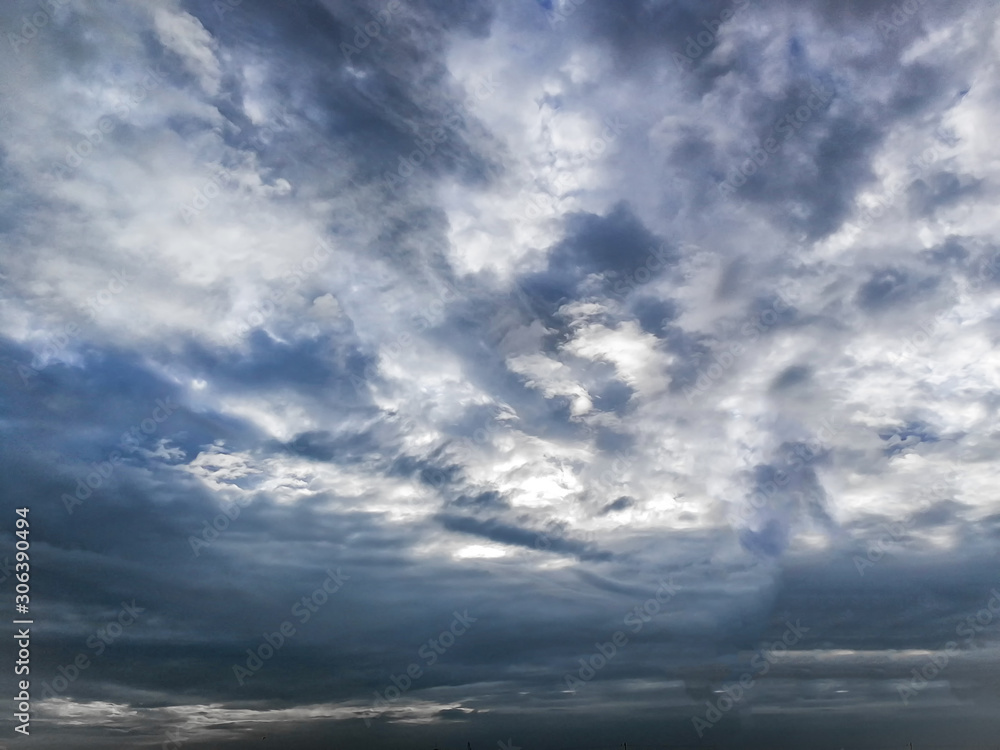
<point x="530" y="374"/>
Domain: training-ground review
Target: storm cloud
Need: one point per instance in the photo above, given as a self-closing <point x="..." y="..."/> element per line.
<point x="507" y="317"/>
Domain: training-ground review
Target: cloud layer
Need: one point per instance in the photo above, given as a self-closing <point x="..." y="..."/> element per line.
<point x="511" y="317"/>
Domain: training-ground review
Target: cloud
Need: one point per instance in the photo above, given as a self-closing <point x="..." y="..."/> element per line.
<point x="514" y="309"/>
<point x="184" y="35"/>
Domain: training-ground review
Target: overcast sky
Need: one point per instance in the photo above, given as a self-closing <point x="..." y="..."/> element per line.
<point x="402" y="374"/>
